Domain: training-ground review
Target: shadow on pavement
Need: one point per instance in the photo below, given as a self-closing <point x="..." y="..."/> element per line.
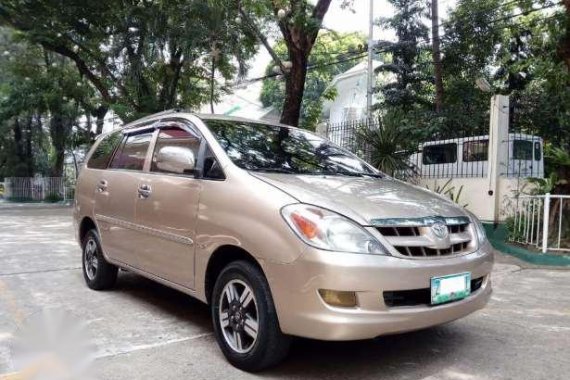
<point x="411" y="355"/>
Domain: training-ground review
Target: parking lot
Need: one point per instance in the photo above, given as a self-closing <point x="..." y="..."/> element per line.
<point x="144" y="330"/>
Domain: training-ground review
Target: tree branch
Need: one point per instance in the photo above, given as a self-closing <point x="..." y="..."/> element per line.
<point x="82" y="67"/>
<point x="321" y="10"/>
<point x="262" y="39"/>
<point x="319" y="13"/>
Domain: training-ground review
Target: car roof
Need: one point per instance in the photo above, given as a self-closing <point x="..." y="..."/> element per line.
<point x="201" y="116"/>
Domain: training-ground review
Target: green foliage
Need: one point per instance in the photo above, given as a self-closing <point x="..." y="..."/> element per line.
<point x="53" y="198"/>
<point x="408" y="81"/>
<point x="329" y="47"/>
<point x="518" y="56"/>
<point x="513" y="230"/>
<point x="389" y="144"/>
<point x="557" y="163"/>
<point x="541" y="186"/>
<point x="41" y="97"/>
<point x="143" y="56"/>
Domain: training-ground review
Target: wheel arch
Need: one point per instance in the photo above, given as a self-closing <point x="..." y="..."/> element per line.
<point x="219" y="259"/>
<point x="85" y="226"/>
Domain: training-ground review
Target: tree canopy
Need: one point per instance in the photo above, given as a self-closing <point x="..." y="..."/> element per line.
<point x="141" y="56"/>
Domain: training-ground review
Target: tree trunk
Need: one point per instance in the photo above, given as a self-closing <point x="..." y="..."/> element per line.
<point x="57" y="133"/>
<point x="100" y="113"/>
<point x="29" y="154"/>
<point x="212" y="84"/>
<point x="294" y="89"/>
<point x="20" y="169"/>
<point x="436" y="55"/>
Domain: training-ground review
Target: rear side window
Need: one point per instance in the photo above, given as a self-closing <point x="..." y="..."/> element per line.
<point x="522" y="150"/>
<point x="440" y="154"/>
<point x="132" y="153"/>
<point x="176" y="152"/>
<point x="104" y="150"/>
<point x="475" y="150"/>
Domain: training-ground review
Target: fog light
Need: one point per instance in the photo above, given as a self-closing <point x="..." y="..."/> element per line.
<point x="338" y="298"/>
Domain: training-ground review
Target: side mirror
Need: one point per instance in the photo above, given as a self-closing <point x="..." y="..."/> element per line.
<point x="175" y="159"/>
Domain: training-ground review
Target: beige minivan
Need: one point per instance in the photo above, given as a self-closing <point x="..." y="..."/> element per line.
<point x="280" y="231"/>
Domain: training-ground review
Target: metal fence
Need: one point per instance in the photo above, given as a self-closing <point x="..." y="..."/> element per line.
<point x="542" y="221"/>
<point x="50" y="189"/>
<point x="452" y="154"/>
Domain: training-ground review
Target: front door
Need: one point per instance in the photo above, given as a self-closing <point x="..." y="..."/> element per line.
<point x="116" y="195"/>
<point x="167" y="206"/>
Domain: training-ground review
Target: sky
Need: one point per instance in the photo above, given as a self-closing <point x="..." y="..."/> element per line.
<point x="346" y="21"/>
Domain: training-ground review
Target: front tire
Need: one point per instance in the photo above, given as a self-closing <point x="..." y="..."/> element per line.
<point x="245" y="321"/>
<point x="98" y="273"/>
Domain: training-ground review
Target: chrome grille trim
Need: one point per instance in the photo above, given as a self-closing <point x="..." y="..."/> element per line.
<point x="413" y="237"/>
<point x="416" y="222"/>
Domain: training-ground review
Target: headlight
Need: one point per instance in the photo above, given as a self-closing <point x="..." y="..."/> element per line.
<point x="325" y="229"/>
<point x="481" y="235"/>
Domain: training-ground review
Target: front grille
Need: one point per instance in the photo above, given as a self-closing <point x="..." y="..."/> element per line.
<point x="417" y="297"/>
<point x="427" y="252"/>
<point x="415" y="238"/>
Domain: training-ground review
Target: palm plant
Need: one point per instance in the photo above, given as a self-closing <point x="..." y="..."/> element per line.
<point x="387" y="145"/>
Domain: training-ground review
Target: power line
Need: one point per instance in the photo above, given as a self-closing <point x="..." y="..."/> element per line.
<point x="428" y="40"/>
<point x="443" y="23"/>
<point x="351" y="56"/>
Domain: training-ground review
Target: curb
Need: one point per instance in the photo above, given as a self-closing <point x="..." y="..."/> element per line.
<point x="498" y="239"/>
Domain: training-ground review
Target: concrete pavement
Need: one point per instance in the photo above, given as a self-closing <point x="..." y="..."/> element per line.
<point x="144" y="330"/>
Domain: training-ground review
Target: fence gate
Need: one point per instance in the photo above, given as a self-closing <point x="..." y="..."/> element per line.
<point x="24" y="189"/>
<point x="543" y="221"/>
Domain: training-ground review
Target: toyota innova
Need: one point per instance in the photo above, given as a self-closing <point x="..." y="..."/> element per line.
<point x="280" y="231"/>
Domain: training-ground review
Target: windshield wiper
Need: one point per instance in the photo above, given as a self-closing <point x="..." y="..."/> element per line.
<point x="373" y="175"/>
<point x="357" y="174"/>
<point x="273" y="170"/>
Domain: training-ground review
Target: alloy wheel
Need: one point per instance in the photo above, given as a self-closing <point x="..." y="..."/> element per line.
<point x="91" y="261"/>
<point x="238" y="316"/>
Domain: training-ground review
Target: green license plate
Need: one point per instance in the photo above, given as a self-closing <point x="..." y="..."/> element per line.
<point x="450" y="288"/>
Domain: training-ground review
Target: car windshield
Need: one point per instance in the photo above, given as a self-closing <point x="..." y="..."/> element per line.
<point x="271" y="148"/>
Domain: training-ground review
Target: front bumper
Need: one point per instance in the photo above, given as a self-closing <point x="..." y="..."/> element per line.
<point x="302" y="312"/>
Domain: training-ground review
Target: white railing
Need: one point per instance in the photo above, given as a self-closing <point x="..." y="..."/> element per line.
<point x="542" y="221"/>
<point x="38" y="189"/>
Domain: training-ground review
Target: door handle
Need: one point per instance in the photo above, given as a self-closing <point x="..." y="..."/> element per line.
<point x="102" y="186"/>
<point x="144" y="191"/>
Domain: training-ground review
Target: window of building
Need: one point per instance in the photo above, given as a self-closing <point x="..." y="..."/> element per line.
<point x="522" y="150"/>
<point x="439" y="154"/>
<point x="476" y="150"/>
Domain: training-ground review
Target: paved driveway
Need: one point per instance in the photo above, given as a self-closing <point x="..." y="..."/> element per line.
<point x="144" y="330"/>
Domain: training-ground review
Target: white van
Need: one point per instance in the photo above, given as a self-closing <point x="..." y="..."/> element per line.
<point x="469" y="157"/>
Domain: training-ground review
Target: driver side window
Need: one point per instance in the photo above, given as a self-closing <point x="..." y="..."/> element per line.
<point x="176" y="152"/>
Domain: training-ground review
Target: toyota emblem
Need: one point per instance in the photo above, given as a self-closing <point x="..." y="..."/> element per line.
<point x="439" y="229"/>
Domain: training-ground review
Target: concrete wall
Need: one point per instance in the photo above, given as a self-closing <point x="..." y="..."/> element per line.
<point x="475" y="194"/>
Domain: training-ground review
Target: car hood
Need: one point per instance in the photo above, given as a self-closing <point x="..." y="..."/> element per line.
<point x="363" y="198"/>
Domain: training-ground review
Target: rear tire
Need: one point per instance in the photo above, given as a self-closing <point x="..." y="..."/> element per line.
<point x="98" y="273"/>
<point x="245" y="321"/>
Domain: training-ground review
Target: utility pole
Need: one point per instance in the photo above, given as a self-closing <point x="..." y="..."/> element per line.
<point x="436" y="55"/>
<point x="370" y="73"/>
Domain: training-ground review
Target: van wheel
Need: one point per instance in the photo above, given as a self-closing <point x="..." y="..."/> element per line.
<point x="98" y="273"/>
<point x="245" y="321"/>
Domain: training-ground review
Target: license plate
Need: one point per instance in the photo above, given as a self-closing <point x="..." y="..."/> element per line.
<point x="450" y="288"/>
